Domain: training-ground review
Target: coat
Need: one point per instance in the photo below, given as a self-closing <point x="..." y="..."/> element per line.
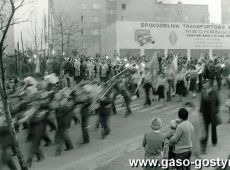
<point x="209" y="106"/>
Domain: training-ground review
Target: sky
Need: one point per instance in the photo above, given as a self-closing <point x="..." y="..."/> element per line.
<point x="214" y="7"/>
<point x="34" y="12"/>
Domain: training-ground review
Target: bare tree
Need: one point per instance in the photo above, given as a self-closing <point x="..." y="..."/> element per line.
<point x="8" y="9"/>
<point x="65" y="33"/>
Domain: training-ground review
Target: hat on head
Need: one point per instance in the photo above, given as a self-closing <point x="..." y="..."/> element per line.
<point x="156" y="124"/>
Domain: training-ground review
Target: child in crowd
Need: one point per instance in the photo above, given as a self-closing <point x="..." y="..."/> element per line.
<point x="173" y="126"/>
<point x="153" y="143"/>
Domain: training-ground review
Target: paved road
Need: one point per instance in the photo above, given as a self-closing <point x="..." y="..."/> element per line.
<point x="222" y="150"/>
<point x="124" y="140"/>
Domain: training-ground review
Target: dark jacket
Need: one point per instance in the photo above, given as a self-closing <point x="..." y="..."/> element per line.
<point x="105" y="107"/>
<point x="37" y="124"/>
<point x="64" y="116"/>
<point x="6" y="139"/>
<point x="209" y="106"/>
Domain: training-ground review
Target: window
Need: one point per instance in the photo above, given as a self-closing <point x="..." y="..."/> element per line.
<point x="95" y="19"/>
<point x="96" y="6"/>
<point x="95" y="32"/>
<point x="123" y="18"/>
<point x="186" y="10"/>
<point x="83" y="33"/>
<point x="178" y="13"/>
<point x="123" y="6"/>
<point x="82" y="18"/>
<point x="112" y="11"/>
<point x="83" y="6"/>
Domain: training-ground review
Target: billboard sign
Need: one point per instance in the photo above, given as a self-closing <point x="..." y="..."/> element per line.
<point x="174" y="35"/>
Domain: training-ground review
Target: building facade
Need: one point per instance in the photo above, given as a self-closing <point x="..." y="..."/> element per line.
<point x="153" y="10"/>
<point x="88" y="16"/>
<point x="225" y="11"/>
<point x="91" y="16"/>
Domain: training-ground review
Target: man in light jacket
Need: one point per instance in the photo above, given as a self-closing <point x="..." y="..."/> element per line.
<point x="182" y="139"/>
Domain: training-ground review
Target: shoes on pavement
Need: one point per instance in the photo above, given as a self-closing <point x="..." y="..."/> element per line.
<point x="103" y="136"/>
<point x="203" y="152"/>
<point x="85" y="142"/>
<point x="41" y="159"/>
<point x="68" y="149"/>
<point x="127" y="114"/>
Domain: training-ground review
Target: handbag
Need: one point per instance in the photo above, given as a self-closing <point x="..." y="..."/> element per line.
<point x="227" y="103"/>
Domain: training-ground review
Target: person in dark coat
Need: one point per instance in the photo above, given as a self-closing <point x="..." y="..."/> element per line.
<point x="218" y="73"/>
<point x="64" y="116"/>
<point x="209" y="72"/>
<point x="104" y="111"/>
<point x="85" y="113"/>
<point x="209" y="109"/>
<point x="69" y="68"/>
<point x="37" y="131"/>
<point x="6" y="143"/>
<point x="120" y="88"/>
<point x="83" y="70"/>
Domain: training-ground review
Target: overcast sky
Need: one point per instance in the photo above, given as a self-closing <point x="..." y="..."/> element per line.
<point x="214" y="7"/>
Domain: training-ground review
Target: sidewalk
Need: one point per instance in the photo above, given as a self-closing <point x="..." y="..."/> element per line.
<point x="222" y="150"/>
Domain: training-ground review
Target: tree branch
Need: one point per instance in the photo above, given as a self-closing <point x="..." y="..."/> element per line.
<point x="8" y="24"/>
<point x="17" y="22"/>
<point x="2" y="6"/>
<point x="22" y="2"/>
<point x="3" y="48"/>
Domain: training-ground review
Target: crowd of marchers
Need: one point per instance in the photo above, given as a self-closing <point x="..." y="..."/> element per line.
<point x="86" y="87"/>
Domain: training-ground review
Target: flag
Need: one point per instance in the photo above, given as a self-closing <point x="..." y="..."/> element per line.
<point x="201" y="58"/>
<point x="174" y="64"/>
<point x="153" y="66"/>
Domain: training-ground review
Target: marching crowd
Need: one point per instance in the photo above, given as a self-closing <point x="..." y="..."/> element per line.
<point x="91" y="86"/>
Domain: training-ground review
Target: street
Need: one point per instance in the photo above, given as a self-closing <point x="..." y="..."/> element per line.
<point x="125" y="139"/>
